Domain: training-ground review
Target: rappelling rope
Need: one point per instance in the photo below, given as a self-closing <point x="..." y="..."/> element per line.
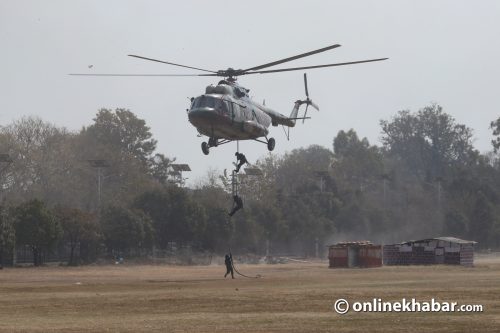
<point x="237" y="272"/>
<point x="296" y="260"/>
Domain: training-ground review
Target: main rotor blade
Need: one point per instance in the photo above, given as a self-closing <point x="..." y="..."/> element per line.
<point x="171" y="63"/>
<point x="274" y="63"/>
<point x="310" y="67"/>
<point x="80" y="74"/>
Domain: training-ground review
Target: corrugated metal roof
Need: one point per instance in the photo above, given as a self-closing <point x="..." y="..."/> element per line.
<point x="445" y="239"/>
<point x="356" y="243"/>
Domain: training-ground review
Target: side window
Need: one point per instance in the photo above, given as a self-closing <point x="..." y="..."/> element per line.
<point x="248" y="113"/>
<point x="236" y="110"/>
<point x="195" y="103"/>
<point x="226" y="107"/>
<point x="254" y="116"/>
<point x="222" y="106"/>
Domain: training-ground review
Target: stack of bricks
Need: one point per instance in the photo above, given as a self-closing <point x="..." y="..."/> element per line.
<point x="391" y="255"/>
<point x="422" y="256"/>
<point x="416" y="254"/>
<point x="467" y="255"/>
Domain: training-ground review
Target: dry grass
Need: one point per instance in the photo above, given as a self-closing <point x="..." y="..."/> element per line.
<point x="288" y="298"/>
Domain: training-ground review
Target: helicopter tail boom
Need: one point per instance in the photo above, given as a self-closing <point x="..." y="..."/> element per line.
<point x="293" y="114"/>
<point x="279" y="119"/>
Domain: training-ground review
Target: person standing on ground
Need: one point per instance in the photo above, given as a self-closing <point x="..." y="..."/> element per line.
<point x="229" y="265"/>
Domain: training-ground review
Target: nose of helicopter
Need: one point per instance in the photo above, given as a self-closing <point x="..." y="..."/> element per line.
<point x="202" y="116"/>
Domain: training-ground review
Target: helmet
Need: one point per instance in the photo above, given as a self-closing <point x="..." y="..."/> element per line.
<point x="236" y="154"/>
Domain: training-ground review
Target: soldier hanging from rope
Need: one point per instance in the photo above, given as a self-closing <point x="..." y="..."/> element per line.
<point x="240" y="160"/>
<point x="237" y="202"/>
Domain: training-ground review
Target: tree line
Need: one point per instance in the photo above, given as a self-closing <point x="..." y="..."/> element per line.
<point x="425" y="179"/>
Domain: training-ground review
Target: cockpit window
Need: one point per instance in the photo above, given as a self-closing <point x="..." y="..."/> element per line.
<point x="211" y="102"/>
<point x="206" y="102"/>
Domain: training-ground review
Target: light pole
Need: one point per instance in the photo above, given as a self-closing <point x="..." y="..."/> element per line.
<point x="322" y="175"/>
<point x="178" y="169"/>
<point x="439" y="180"/>
<point x="438" y="189"/>
<point x="385" y="178"/>
<point x="5" y="162"/>
<point x="99" y="165"/>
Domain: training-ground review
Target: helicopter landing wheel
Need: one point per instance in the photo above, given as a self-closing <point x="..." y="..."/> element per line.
<point x="205" y="148"/>
<point x="270" y="144"/>
<point x="212" y="142"/>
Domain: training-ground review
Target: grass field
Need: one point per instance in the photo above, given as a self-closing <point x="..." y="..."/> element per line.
<point x="288" y="298"/>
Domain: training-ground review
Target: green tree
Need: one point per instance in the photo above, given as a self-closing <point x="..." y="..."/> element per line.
<point x="495" y="126"/>
<point x="125" y="229"/>
<point x="298" y="170"/>
<point x="159" y="166"/>
<point x="7" y="234"/>
<point x="356" y="162"/>
<point x="123" y="130"/>
<point x="174" y="214"/>
<point x="78" y="226"/>
<point x="429" y="141"/>
<point x="43" y="162"/>
<point x="482" y="220"/>
<point x="36" y="226"/>
<point x="455" y="224"/>
<point x="216" y="231"/>
<point x="126" y="143"/>
<point x="363" y="177"/>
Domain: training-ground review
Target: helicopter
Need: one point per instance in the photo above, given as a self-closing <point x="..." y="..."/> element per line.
<point x="226" y="112"/>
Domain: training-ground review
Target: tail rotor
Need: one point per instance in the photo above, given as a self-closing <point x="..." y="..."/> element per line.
<point x="308" y="101"/>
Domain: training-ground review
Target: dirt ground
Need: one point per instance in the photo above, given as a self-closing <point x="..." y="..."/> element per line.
<point x="295" y="297"/>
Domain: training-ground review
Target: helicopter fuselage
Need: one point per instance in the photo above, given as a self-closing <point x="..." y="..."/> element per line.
<point x="226" y="112"/>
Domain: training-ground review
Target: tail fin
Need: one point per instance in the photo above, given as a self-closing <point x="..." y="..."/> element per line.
<point x="295" y="112"/>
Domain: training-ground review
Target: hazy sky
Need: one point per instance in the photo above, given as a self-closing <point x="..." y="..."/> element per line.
<point x="440" y="51"/>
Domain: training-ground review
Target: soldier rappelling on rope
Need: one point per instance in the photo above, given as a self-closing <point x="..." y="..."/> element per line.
<point x="237" y="201"/>
<point x="240" y="160"/>
<point x="237" y="204"/>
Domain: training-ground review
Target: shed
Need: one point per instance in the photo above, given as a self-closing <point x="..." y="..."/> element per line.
<point x="355" y="254"/>
<point x="439" y="250"/>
